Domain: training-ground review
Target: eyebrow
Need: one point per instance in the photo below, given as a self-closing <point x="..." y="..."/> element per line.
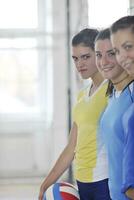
<point x="74" y="56"/>
<point x="86" y="54"/>
<point x="126" y="43"/>
<point x="111" y="50"/>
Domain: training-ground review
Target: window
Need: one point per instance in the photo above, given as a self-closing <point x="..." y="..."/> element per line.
<point x="103" y="13"/>
<point x="25" y="61"/>
<point x="19" y="14"/>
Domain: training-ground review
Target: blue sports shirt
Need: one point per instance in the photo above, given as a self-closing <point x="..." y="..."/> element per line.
<point x="120" y="147"/>
<point x="128" y="159"/>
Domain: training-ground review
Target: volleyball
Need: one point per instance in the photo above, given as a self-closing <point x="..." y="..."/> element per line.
<point x="61" y="191"/>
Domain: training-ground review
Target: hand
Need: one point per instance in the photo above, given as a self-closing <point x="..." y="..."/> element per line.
<point x="41" y="193"/>
<point x="130" y="193"/>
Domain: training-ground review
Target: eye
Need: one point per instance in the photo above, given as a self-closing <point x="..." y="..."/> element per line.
<point x="85" y="57"/>
<point x="98" y="55"/>
<point x="128" y="46"/>
<point x="111" y="54"/>
<point x="75" y="59"/>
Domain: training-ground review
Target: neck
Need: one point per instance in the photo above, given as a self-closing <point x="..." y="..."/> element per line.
<point x="97" y="79"/>
<point x="122" y="82"/>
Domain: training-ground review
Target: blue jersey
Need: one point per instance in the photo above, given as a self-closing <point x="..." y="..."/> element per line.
<point x="113" y="132"/>
<point x="128" y="159"/>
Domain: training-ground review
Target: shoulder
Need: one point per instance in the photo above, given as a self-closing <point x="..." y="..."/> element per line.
<point x="131" y="87"/>
<point x="131" y="90"/>
<point x="104" y="84"/>
<point x="83" y="92"/>
<point x="129" y="115"/>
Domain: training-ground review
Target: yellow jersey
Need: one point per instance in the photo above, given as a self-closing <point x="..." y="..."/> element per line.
<point x="90" y="155"/>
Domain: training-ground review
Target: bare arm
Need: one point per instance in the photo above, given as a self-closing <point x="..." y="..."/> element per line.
<point x="130" y="193"/>
<point x="62" y="163"/>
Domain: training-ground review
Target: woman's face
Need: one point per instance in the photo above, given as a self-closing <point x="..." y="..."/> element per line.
<point x="123" y="44"/>
<point x="106" y="60"/>
<point x="84" y="59"/>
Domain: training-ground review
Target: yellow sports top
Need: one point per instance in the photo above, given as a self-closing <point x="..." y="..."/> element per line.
<point x="90" y="156"/>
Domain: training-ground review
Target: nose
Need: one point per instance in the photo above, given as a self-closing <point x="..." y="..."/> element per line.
<point x="104" y="60"/>
<point x="79" y="63"/>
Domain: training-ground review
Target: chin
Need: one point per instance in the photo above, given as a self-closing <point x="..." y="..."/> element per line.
<point x="85" y="77"/>
<point x="106" y="76"/>
<point x="130" y="72"/>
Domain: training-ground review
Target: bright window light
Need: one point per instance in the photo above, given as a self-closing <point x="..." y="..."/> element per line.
<point x="18" y="14"/>
<point x="102" y="13"/>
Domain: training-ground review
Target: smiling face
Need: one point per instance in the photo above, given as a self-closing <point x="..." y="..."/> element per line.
<point x="106" y="60"/>
<point x="84" y="59"/>
<point x="123" y="44"/>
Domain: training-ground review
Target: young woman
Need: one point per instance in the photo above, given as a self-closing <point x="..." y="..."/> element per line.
<point x="122" y="38"/>
<point x="84" y="145"/>
<point x="121" y="95"/>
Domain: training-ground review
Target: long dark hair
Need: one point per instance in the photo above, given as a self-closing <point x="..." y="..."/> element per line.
<point x="109" y="88"/>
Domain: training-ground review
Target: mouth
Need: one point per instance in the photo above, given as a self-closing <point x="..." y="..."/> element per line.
<point x="127" y="65"/>
<point x="82" y="70"/>
<point x="107" y="69"/>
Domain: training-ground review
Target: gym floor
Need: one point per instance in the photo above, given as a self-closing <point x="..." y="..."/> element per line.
<point x="19" y="190"/>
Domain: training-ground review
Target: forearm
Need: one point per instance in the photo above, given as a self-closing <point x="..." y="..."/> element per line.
<point x="62" y="163"/>
<point x="130" y="193"/>
<point x="59" y="168"/>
